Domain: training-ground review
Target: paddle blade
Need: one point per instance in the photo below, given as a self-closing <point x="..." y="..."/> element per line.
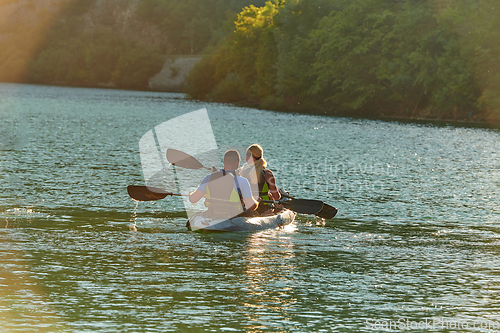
<point x="183" y="160"/>
<point x="303" y="206"/>
<point x="143" y="193"/>
<point x="327" y="212"/>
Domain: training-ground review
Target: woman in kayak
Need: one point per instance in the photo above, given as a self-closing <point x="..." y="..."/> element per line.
<point x="261" y="179"/>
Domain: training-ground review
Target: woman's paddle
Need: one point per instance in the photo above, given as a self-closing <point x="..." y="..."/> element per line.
<point x="144" y="193"/>
<point x="325" y="212"/>
<point x="302" y="206"/>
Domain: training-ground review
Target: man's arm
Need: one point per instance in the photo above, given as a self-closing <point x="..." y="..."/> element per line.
<point x="199" y="193"/>
<point x="196" y="196"/>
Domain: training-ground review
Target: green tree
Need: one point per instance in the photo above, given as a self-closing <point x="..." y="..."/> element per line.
<point x="243" y="66"/>
<point x="135" y="67"/>
<point x="375" y="57"/>
<point x="477" y="25"/>
<point x="191" y="25"/>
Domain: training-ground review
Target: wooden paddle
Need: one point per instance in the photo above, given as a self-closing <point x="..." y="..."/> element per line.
<point x="144" y="193"/>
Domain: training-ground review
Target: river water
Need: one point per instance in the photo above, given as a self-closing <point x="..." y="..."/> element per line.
<point x="416" y="240"/>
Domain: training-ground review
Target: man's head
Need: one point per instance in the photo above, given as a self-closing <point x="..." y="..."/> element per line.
<point x="231" y="160"/>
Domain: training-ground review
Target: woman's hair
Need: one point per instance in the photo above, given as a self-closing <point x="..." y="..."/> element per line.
<point x="259" y="161"/>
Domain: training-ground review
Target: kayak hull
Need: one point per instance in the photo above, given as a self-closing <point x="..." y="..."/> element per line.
<point x="198" y="222"/>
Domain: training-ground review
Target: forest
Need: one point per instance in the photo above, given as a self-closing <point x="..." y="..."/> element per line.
<point x="97" y="43"/>
<point x="431" y="59"/>
<point x="435" y="59"/>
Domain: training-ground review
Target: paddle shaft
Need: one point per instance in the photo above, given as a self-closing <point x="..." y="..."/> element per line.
<point x="144" y="193"/>
<point x="303" y="206"/>
<point x="184" y="160"/>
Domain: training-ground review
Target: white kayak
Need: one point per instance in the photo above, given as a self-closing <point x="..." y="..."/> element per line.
<point x="199" y="222"/>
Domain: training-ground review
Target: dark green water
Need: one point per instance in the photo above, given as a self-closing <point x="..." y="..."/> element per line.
<point x="417" y="237"/>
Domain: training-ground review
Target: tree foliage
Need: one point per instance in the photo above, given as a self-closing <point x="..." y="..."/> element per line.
<point x="403" y="58"/>
<point x="192" y="25"/>
<point x="242" y="65"/>
<point x="88" y="44"/>
<point x="97" y="58"/>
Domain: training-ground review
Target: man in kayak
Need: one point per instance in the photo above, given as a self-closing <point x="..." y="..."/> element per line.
<point x="226" y="194"/>
<point x="262" y="180"/>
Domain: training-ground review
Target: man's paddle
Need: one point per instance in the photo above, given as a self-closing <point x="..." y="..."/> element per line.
<point x="183" y="160"/>
<point x="144" y="193"/>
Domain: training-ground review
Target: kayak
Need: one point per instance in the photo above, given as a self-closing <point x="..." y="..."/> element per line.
<point x="199" y="222"/>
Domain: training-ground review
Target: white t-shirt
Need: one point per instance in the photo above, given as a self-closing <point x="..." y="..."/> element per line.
<point x="244" y="185"/>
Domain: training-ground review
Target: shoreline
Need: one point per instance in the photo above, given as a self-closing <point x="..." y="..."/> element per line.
<point x="414" y="120"/>
<point x="402" y="119"/>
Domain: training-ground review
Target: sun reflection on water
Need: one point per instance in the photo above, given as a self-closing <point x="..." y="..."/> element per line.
<point x="269" y="290"/>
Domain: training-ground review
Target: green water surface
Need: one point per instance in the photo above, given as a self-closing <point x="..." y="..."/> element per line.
<point x="417" y="237"/>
